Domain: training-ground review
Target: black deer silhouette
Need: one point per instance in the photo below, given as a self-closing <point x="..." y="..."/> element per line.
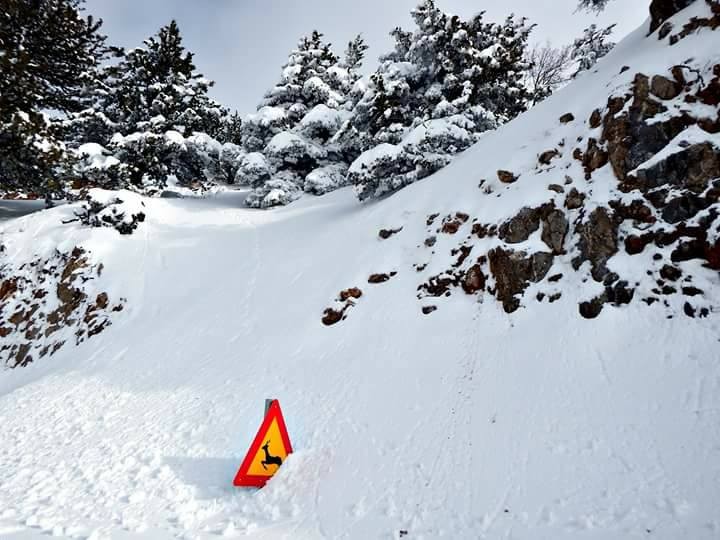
<point x="269" y="460"/>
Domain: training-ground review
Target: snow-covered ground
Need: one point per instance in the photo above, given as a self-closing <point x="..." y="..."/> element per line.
<point x="465" y="423"/>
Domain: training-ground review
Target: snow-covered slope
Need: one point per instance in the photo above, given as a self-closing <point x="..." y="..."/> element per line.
<point x="466" y="422"/>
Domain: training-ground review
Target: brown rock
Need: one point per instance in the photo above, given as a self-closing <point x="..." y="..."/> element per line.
<point x="427" y="310"/>
<point x="567" y="118"/>
<point x="712" y="255"/>
<point x="592" y="309"/>
<point x="574" y="200"/>
<point x="671" y="273"/>
<point x="691" y="168"/>
<point x="662" y="10"/>
<point x="378" y="278"/>
<point x="635" y="245"/>
<point x="594" y="157"/>
<point x="678" y="74"/>
<point x="519" y="228"/>
<point x="506" y="177"/>
<point x="598" y="242"/>
<point x="474" y="280"/>
<point x="333" y="316"/>
<point x="547" y="156"/>
<point x="637" y="210"/>
<point x="557" y="188"/>
<point x="451" y="227"/>
<point x="7" y="288"/>
<point x="353" y="292"/>
<point x="513" y="272"/>
<point x="665" y="88"/>
<point x="101" y="302"/>
<point x="555" y="229"/>
<point x="595" y="119"/>
<point x="387" y="233"/>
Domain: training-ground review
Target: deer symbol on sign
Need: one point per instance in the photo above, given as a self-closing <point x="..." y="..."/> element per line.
<point x="269" y="460"/>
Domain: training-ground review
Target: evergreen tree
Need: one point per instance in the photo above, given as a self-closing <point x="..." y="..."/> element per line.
<point x="442" y="85"/>
<point x="157" y="88"/>
<point x="591" y="47"/>
<point x="49" y="53"/>
<point x="290" y="140"/>
<point x="147" y="110"/>
<point x="304" y="80"/>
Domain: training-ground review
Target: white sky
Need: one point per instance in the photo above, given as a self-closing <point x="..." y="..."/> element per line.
<point x="242" y="44"/>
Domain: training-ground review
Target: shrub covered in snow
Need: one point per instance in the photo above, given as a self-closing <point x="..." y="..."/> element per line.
<point x="106" y="209"/>
<point x="425" y="150"/>
<point x="259" y="128"/>
<point x="326" y="179"/>
<point x="283" y="188"/>
<point x="295" y="127"/>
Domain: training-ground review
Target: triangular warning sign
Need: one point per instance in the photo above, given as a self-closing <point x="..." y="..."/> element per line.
<point x="267" y="452"/>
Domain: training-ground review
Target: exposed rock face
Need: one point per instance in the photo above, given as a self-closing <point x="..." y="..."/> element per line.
<point x="513" y="271"/>
<point x="47" y="303"/>
<point x="574" y="200"/>
<point x="691" y="168"/>
<point x="662" y="10"/>
<point x="659" y="197"/>
<point x="474" y="280"/>
<point x="665" y="88"/>
<point x="567" y="118"/>
<point x="632" y="140"/>
<point x="598" y="242"/>
<point x="519" y="228"/>
<point x="555" y="229"/>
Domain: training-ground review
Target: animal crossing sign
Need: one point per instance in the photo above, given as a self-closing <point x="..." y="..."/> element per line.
<point x="267" y="452"/>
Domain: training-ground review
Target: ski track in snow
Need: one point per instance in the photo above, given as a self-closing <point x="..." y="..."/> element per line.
<point x="467" y="423"/>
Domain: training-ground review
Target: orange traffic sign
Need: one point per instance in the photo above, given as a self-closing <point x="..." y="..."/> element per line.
<point x="267" y="452"/>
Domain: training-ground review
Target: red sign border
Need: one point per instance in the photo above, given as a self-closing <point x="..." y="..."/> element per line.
<point x="242" y="479"/>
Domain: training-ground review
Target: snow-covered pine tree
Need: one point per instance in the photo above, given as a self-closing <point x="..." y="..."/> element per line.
<point x="290" y="140"/>
<point x="443" y="84"/>
<point x="49" y="52"/>
<point x="591" y="47"/>
<point x="157" y="88"/>
<point x="151" y="104"/>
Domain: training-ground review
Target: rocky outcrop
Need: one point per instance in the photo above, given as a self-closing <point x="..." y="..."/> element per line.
<point x="662" y="10"/>
<point x="598" y="242"/>
<point x="691" y="168"/>
<point x="345" y="300"/>
<point x="528" y="220"/>
<point x="47" y="303"/>
<point x="514" y="271"/>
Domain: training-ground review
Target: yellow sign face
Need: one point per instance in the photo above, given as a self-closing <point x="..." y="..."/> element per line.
<point x="271" y="454"/>
<point x="267" y="452"/>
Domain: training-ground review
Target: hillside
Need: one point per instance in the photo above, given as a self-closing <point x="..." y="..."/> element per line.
<point x="536" y="358"/>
